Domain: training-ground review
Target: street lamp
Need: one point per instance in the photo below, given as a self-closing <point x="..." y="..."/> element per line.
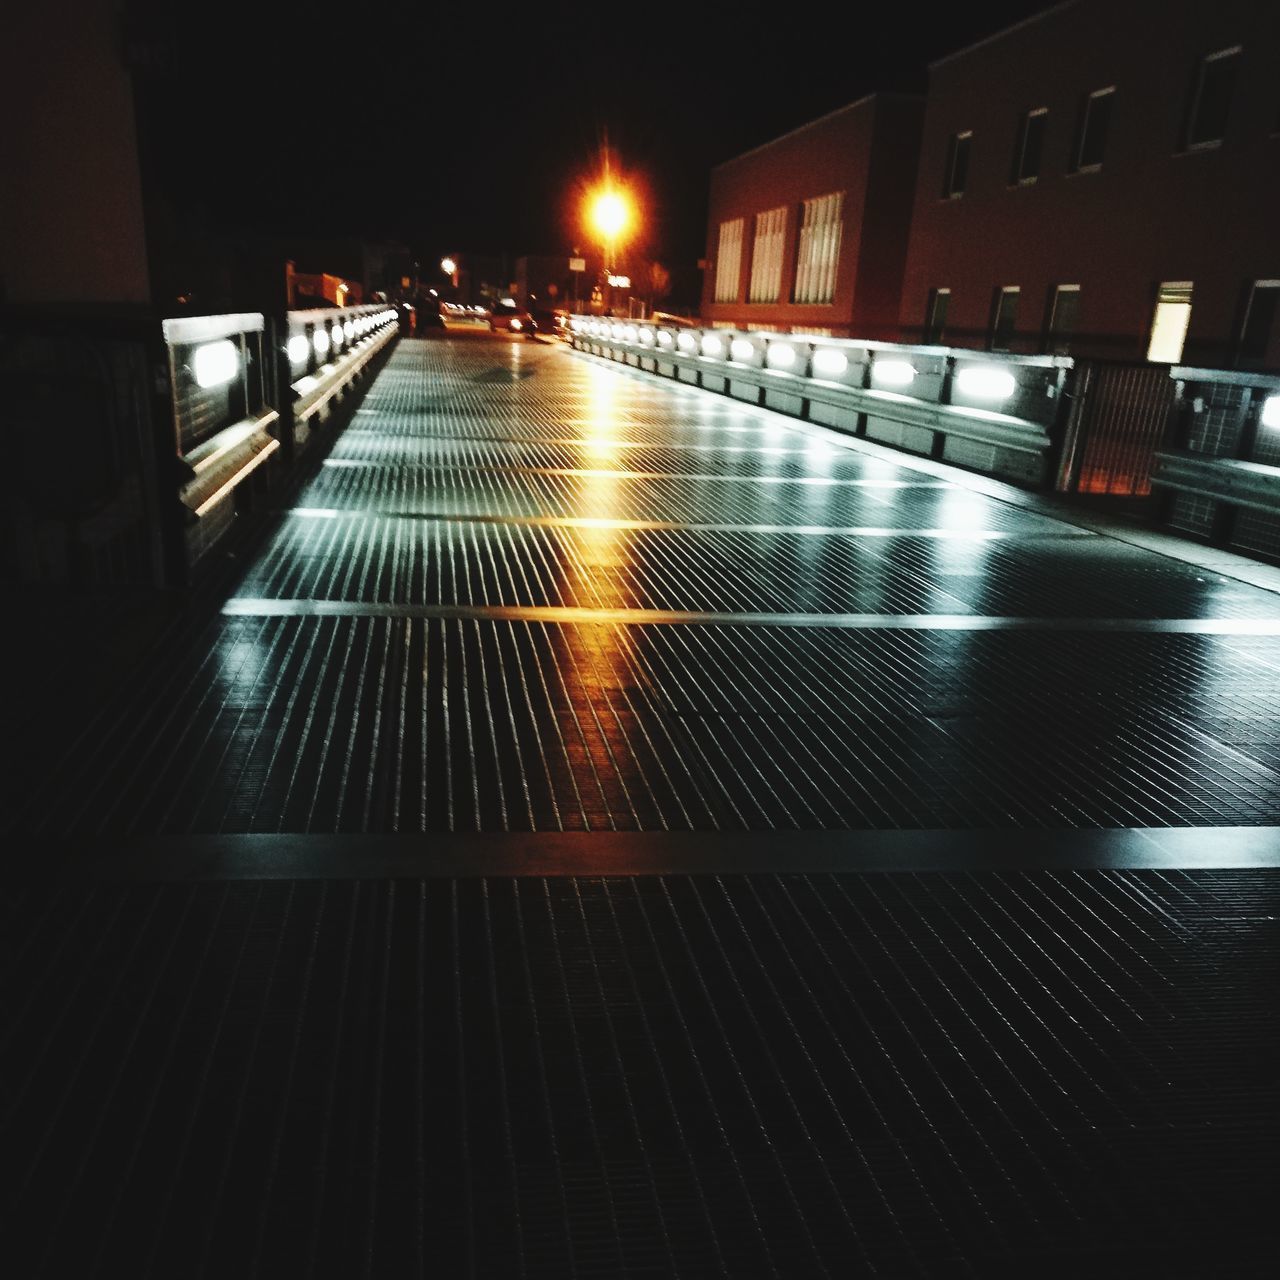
<point x="611" y="215"/>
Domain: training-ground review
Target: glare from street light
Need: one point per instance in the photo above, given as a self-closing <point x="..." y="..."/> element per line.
<point x="448" y="266"/>
<point x="610" y="214"/>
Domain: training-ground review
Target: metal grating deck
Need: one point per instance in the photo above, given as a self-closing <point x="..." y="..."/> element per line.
<point x="1024" y="1026"/>
<point x="1029" y="1073"/>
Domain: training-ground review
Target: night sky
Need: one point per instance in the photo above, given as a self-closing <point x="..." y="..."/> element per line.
<point x="468" y="127"/>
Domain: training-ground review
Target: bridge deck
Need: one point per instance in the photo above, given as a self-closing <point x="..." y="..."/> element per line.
<point x="612" y="830"/>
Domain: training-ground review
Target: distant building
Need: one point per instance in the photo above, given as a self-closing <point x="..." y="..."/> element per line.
<point x="809" y="232"/>
<point x="1102" y="180"/>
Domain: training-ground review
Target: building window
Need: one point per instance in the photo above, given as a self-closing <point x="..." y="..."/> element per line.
<point x="1004" y="318"/>
<point x="1064" y="313"/>
<point x="1169" y="324"/>
<point x="766" y="256"/>
<point x="1026" y="155"/>
<point x="1095" y="121"/>
<point x="819" y="249"/>
<point x="935" y="319"/>
<point x="729" y="261"/>
<point x="1211" y="94"/>
<point x="1258" y="333"/>
<point x="957" y="174"/>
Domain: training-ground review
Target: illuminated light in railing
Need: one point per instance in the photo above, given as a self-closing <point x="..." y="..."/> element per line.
<point x="985" y="382"/>
<point x="687" y="342"/>
<point x="712" y="346"/>
<point x="616" y="331"/>
<point x="780" y="356"/>
<point x="1271" y="412"/>
<point x="349" y="328"/>
<point x="830" y="363"/>
<point x="336" y="336"/>
<point x="299" y="348"/>
<point x="741" y="349"/>
<point x="516" y="325"/>
<point x="216" y="363"/>
<point x="320" y="340"/>
<point x="576" y="325"/>
<point x="629" y="333"/>
<point x="646" y="337"/>
<point x="893" y="373"/>
<point x="664" y="338"/>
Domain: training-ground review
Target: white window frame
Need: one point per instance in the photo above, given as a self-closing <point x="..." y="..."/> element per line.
<point x="934" y="333"/>
<point x="953" y="152"/>
<point x="1005" y="291"/>
<point x="818" y="252"/>
<point x="729" y="260"/>
<point x="1024" y="131"/>
<point x="1108" y="92"/>
<point x="1208" y="144"/>
<point x="1052" y="333"/>
<point x="766" y="255"/>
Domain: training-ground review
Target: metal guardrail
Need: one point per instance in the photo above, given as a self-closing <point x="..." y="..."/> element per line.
<point x="995" y="413"/>
<point x="231" y="412"/>
<point x="327" y="350"/>
<point x="1221" y="470"/>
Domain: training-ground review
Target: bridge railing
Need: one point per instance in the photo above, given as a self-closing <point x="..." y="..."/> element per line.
<point x="1220" y="474"/>
<point x="328" y="350"/>
<point x="995" y="413"/>
<point x="221" y="383"/>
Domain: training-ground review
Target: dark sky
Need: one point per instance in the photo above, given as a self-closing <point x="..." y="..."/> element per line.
<point x="468" y="126"/>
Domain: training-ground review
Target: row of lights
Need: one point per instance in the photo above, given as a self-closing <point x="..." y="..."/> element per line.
<point x="215" y="363"/>
<point x="982" y="382"/>
<point x="979" y="382"/>
<point x="322" y="340"/>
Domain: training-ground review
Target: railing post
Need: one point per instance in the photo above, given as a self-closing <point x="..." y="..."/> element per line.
<point x="171" y="514"/>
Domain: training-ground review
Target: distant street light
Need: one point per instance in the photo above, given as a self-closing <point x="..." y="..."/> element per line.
<point x="448" y="266"/>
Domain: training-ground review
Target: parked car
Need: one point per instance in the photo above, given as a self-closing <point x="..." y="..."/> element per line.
<point x="552" y="322"/>
<point x="510" y="316"/>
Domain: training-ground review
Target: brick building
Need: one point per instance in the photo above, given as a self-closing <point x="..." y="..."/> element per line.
<point x="1101" y="180"/>
<point x="810" y="231"/>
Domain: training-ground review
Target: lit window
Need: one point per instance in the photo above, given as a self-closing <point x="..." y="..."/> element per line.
<point x="1211" y="95"/>
<point x="935" y="324"/>
<point x="1169" y="325"/>
<point x="766" y="256"/>
<point x="1095" y="121"/>
<point x="1004" y="318"/>
<point x="729" y="261"/>
<point x="819" y="250"/>
<point x="957" y="172"/>
<point x="1026" y="155"/>
<point x="1064" y="313"/>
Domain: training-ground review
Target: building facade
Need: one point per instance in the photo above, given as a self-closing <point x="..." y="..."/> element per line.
<point x="809" y="232"/>
<point x="1104" y="180"/>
